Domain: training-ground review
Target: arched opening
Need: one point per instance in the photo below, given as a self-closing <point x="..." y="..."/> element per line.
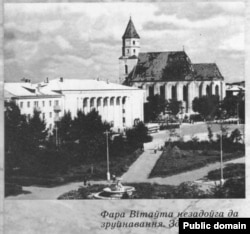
<point x="151" y="91"/>
<point x="217" y="90"/>
<point x="98" y="102"/>
<point x="112" y="101"/>
<point x="118" y="101"/>
<point x="185" y="93"/>
<point x="208" y="90"/>
<point x="85" y="102"/>
<point x="174" y="92"/>
<point x="126" y="69"/>
<point x="162" y="91"/>
<point x="200" y="90"/>
<point x="105" y="101"/>
<point x="92" y="103"/>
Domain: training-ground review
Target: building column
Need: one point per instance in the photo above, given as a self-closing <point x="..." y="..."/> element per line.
<point x="190" y="89"/>
<point x="212" y="88"/>
<point x="179" y="90"/>
<point x="168" y="90"/>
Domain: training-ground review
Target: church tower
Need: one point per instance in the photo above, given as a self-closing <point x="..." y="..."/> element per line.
<point x="130" y="51"/>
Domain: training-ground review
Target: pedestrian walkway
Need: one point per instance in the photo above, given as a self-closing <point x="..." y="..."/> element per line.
<point x="141" y="168"/>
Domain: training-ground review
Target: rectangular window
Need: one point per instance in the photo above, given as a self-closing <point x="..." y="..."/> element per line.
<point x="28" y="104"/>
<point x="50" y="114"/>
<point x="56" y="102"/>
<point x="21" y="104"/>
<point x="123" y="120"/>
<point x="123" y="111"/>
<point x="50" y="103"/>
<point x="36" y="103"/>
<point x="43" y="103"/>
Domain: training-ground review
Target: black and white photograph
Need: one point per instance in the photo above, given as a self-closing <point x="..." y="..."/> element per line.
<point x="123" y="116"/>
<point x="124" y="100"/>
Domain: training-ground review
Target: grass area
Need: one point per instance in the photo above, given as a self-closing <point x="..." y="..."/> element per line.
<point x="175" y="160"/>
<point x="232" y="170"/>
<point x="94" y="170"/>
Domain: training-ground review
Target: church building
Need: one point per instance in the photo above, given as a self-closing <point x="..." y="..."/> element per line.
<point x="170" y="74"/>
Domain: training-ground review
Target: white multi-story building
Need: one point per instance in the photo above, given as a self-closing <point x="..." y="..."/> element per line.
<point x="117" y="104"/>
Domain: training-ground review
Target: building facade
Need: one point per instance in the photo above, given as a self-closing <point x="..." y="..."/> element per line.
<point x="117" y="104"/>
<point x="170" y="74"/>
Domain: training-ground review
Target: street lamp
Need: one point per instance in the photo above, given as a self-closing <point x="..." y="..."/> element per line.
<point x="221" y="151"/>
<point x="107" y="141"/>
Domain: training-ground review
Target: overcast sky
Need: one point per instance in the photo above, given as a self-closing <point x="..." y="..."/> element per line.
<point x="83" y="40"/>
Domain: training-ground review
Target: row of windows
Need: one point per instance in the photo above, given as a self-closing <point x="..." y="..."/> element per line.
<point x="133" y="42"/>
<point x="133" y="51"/>
<point x="36" y="103"/>
<point x="43" y="115"/>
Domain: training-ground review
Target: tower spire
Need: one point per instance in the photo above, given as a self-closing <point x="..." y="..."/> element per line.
<point x="130" y="31"/>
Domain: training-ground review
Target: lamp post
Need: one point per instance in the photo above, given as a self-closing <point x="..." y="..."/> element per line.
<point x="107" y="141"/>
<point x="221" y="151"/>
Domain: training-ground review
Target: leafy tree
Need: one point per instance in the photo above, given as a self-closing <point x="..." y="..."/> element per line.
<point x="89" y="130"/>
<point x="207" y="106"/>
<point x="138" y="134"/>
<point x="156" y="105"/>
<point x="229" y="104"/>
<point x="15" y="125"/>
<point x="174" y="106"/>
<point x="37" y="131"/>
<point x="64" y="127"/>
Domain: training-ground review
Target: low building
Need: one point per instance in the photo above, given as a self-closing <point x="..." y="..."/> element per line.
<point x="30" y="97"/>
<point x="117" y="104"/>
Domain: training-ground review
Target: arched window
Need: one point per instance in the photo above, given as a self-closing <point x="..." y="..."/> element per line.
<point x="208" y="90"/>
<point x="126" y="69"/>
<point x="185" y="93"/>
<point x="174" y="93"/>
<point x="151" y="91"/>
<point x="162" y="91"/>
<point x="133" y="42"/>
<point x="217" y="90"/>
<point x="200" y="90"/>
<point x="134" y="51"/>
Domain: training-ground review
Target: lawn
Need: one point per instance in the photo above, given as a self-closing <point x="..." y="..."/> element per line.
<point x="92" y="169"/>
<point x="175" y="160"/>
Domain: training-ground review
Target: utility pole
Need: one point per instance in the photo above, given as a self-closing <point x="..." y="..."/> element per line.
<point x="107" y="142"/>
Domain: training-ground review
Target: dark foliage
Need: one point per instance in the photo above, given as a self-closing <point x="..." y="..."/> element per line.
<point x="207" y="106"/>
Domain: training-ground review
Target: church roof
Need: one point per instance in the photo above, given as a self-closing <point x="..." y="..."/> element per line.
<point x="171" y="66"/>
<point x="130" y="31"/>
<point x="159" y="66"/>
<point x="206" y="71"/>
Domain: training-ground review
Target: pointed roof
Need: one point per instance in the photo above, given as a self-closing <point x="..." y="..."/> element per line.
<point x="130" y="31"/>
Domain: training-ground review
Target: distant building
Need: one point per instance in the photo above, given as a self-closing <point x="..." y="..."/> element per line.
<point x="30" y="97"/>
<point x="117" y="104"/>
<point x="236" y="88"/>
<point x="170" y="74"/>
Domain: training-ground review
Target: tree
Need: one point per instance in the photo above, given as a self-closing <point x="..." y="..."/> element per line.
<point x="229" y="104"/>
<point x="174" y="106"/>
<point x="207" y="106"/>
<point x="156" y="105"/>
<point x="138" y="134"/>
<point x="64" y="127"/>
<point x="15" y="125"/>
<point x="37" y="130"/>
<point x="89" y="130"/>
